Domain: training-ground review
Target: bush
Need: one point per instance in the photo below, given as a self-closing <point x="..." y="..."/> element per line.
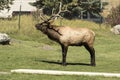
<point x="114" y="17"/>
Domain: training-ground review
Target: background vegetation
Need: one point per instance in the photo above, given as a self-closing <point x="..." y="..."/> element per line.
<point x="72" y="8"/>
<point x="30" y="49"/>
<point x="114" y="17"/>
<point x="5" y="4"/>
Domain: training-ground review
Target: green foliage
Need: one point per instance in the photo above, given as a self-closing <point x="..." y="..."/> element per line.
<point x="5" y="4"/>
<point x="72" y="7"/>
<point x="77" y="11"/>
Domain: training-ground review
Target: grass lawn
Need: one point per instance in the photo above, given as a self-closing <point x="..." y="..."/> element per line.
<point x="50" y="77"/>
<point x="30" y="49"/>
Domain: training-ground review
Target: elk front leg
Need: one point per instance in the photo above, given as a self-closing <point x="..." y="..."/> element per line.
<point x="64" y="54"/>
<point x="92" y="54"/>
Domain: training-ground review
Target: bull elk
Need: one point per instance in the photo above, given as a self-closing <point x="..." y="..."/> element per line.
<point x="67" y="36"/>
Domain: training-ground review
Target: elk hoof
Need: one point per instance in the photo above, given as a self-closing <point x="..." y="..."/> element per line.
<point x="64" y="64"/>
<point x="93" y="65"/>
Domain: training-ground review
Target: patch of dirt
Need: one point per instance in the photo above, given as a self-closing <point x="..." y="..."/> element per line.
<point x="44" y="47"/>
<point x="47" y="47"/>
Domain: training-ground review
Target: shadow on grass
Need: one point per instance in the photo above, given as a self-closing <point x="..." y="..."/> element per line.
<point x="59" y="63"/>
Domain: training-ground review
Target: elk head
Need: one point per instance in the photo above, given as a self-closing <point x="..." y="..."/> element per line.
<point x="47" y="22"/>
<point x="45" y="25"/>
<point x="42" y="26"/>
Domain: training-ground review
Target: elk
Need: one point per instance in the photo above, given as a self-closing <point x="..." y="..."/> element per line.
<point x="67" y="36"/>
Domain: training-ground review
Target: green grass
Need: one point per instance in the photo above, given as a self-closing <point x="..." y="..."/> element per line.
<point x="30" y="49"/>
<point x="50" y="77"/>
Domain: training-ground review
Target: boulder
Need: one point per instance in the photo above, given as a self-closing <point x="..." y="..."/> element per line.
<point x="116" y="29"/>
<point x="4" y="39"/>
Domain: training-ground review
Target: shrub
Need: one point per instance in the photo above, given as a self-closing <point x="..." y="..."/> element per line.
<point x="114" y="17"/>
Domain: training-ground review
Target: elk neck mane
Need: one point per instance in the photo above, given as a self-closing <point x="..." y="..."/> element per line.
<point x="54" y="28"/>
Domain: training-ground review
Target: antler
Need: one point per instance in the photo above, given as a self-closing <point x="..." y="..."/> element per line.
<point x="54" y="16"/>
<point x="41" y="14"/>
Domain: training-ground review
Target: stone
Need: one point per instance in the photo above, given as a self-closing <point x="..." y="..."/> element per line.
<point x="4" y="39"/>
<point x="116" y="29"/>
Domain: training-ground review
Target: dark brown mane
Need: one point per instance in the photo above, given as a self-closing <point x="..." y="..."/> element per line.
<point x="53" y="28"/>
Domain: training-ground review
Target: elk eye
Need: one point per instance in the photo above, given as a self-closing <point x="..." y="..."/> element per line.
<point x="40" y="24"/>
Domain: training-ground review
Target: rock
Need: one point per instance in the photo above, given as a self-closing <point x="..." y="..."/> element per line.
<point x="116" y="29"/>
<point x="4" y="39"/>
